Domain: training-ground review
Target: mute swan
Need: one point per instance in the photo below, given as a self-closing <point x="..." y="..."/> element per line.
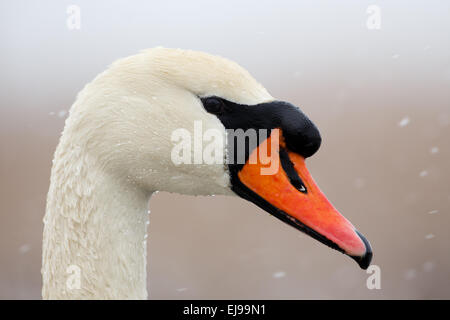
<point x="115" y="151"/>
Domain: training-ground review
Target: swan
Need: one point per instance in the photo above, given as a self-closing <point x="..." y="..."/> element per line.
<point x="116" y="150"/>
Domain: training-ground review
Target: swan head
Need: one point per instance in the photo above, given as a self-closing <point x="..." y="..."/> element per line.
<point x="193" y="123"/>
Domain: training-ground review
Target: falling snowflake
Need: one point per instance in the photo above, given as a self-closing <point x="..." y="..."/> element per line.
<point x="359" y="183"/>
<point x="423" y="173"/>
<point x="434" y="150"/>
<point x="24" y="248"/>
<point x="404" y="122"/>
<point x="62" y="113"/>
<point x="433" y="211"/>
<point x="181" y="289"/>
<point x="429" y="236"/>
<point x="428" y="266"/>
<point x="410" y="274"/>
<point x="279" y="274"/>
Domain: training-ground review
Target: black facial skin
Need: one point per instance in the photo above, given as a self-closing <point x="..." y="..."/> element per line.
<point x="300" y="135"/>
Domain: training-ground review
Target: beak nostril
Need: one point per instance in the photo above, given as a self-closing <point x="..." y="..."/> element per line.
<point x="289" y="169"/>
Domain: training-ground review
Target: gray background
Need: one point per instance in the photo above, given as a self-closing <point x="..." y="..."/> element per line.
<point x="356" y="84"/>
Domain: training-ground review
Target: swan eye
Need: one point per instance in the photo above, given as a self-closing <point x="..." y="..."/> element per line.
<point x="214" y="105"/>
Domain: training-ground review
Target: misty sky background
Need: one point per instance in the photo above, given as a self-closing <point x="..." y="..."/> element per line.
<point x="380" y="98"/>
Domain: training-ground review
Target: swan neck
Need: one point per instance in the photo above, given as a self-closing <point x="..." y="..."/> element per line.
<point x="94" y="244"/>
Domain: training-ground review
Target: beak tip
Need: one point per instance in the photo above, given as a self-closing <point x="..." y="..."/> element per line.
<point x="364" y="260"/>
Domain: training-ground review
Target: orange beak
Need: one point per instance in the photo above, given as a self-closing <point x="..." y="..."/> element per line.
<point x="290" y="193"/>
